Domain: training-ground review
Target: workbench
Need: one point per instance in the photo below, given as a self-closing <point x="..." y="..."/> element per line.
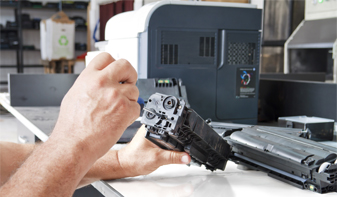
<point x="170" y="180"/>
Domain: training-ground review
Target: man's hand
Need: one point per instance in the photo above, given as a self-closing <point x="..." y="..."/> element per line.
<point x="100" y="106"/>
<point x="94" y="113"/>
<point x="142" y="157"/>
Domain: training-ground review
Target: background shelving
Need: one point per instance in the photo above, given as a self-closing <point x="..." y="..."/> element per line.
<point x="26" y="56"/>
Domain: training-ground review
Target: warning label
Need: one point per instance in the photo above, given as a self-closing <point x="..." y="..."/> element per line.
<point x="245" y="82"/>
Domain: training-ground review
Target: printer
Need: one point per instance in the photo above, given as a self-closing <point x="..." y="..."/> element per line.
<point x="213" y="47"/>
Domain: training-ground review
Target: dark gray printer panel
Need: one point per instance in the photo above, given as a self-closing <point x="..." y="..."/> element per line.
<point x="186" y="47"/>
<point x="187" y="42"/>
<point x="196" y="71"/>
<point x="238" y="77"/>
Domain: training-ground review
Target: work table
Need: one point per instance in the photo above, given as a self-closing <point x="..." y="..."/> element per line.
<point x="170" y="180"/>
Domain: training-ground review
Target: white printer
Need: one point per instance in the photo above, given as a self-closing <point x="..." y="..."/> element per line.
<point x="213" y="47"/>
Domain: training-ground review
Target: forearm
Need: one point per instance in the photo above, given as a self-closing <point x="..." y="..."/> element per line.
<point x="140" y="157"/>
<point x="105" y="168"/>
<point x="54" y="168"/>
<point x="12" y="156"/>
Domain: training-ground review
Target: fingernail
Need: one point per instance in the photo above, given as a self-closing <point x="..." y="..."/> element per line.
<point x="184" y="159"/>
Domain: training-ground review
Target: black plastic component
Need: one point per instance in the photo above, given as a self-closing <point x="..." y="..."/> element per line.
<point x="26" y="3"/>
<point x="286" y="157"/>
<point x="36" y="23"/>
<point x="11" y="38"/>
<point x="80" y="46"/>
<point x="4" y="3"/>
<point x="52" y="5"/>
<point x="171" y="125"/>
<point x="28" y="47"/>
<point x="36" y="4"/>
<point x="67" y="5"/>
<point x="169" y="86"/>
<point x="79" y="21"/>
<point x="10" y="24"/>
<point x="320" y="129"/>
<point x="80" y="5"/>
<point x="283" y="153"/>
<point x="26" y="22"/>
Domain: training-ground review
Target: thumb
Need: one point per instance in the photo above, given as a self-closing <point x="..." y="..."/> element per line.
<point x="174" y="157"/>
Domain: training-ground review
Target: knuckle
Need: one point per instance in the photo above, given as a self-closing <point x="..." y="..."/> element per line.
<point x="173" y="157"/>
<point x="97" y="83"/>
<point x="105" y="56"/>
<point x="127" y="65"/>
<point x="124" y="62"/>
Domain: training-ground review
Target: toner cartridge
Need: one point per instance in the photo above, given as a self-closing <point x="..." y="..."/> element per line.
<point x="171" y="125"/>
<point x="283" y="153"/>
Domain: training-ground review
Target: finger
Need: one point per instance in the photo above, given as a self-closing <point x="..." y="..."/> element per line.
<point x="130" y="91"/>
<point x="173" y="157"/>
<point x="121" y="71"/>
<point x="141" y="133"/>
<point x="101" y="61"/>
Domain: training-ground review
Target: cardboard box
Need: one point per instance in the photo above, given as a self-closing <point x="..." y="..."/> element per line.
<point x="57" y="36"/>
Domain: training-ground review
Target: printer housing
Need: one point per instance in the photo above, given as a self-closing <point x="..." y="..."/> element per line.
<point x="214" y="48"/>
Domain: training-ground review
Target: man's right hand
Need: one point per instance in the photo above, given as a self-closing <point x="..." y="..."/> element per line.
<point x="100" y="106"/>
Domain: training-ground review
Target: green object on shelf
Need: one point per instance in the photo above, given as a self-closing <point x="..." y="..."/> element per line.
<point x="63" y="40"/>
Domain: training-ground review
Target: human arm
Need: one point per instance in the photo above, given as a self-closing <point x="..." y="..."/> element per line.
<point x="93" y="115"/>
<point x="140" y="157"/>
<point x="12" y="156"/>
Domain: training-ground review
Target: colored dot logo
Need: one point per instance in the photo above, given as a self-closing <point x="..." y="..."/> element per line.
<point x="63" y="41"/>
<point x="245" y="78"/>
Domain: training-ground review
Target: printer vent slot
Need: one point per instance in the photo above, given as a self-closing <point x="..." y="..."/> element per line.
<point x="206" y="46"/>
<point x="169" y="54"/>
<point x="241" y="53"/>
